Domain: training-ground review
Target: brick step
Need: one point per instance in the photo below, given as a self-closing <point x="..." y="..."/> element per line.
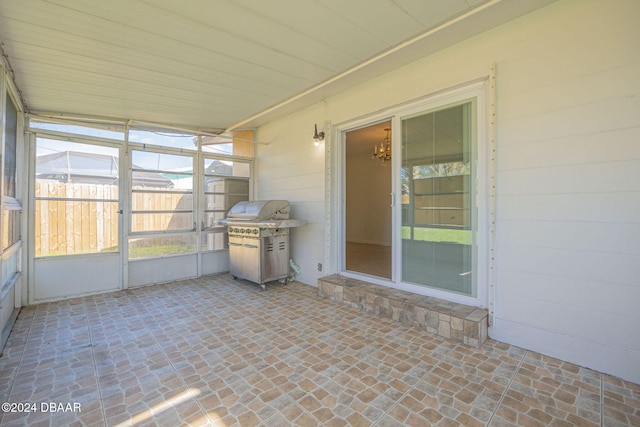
<point x="458" y="322"/>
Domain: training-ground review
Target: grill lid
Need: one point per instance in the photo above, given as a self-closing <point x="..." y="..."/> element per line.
<point x="259" y="210"/>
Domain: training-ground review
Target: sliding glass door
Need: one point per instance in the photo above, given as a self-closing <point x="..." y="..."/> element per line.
<point x="437" y="190"/>
<point x="438" y="180"/>
<point x="438" y="199"/>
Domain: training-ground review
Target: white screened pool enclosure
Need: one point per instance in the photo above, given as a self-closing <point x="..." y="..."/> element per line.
<point x="481" y="153"/>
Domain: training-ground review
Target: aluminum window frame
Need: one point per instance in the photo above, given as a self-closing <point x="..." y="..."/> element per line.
<point x="211" y="230"/>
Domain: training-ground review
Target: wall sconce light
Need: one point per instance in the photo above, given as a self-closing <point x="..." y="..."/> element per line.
<point x="317" y="137"/>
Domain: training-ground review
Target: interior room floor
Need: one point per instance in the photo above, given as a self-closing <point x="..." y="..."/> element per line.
<point x="374" y="260"/>
<point x="213" y="351"/>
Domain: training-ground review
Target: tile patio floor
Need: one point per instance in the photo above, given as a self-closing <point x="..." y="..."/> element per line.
<point x="212" y="351"/>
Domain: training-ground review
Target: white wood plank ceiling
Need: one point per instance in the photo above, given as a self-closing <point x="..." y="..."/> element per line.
<point x="216" y="64"/>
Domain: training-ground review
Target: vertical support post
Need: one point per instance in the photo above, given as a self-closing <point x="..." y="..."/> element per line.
<point x="329" y="202"/>
<point x="124" y="191"/>
<point x="492" y="190"/>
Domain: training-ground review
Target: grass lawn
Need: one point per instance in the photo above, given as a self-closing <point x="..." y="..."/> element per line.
<point x="159" y="250"/>
<point x="425" y="234"/>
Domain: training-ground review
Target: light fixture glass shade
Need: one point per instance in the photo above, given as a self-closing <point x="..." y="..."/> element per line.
<point x="383" y="153"/>
<point x="317" y="137"/>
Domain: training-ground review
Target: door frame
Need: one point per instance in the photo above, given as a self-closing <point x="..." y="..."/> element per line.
<point x="55" y="266"/>
<point x="335" y="184"/>
<point x="343" y="215"/>
<point x="336" y="245"/>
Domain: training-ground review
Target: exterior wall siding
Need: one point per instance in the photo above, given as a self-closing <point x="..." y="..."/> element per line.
<point x="568" y="174"/>
<point x="291" y="168"/>
<point x="568" y="182"/>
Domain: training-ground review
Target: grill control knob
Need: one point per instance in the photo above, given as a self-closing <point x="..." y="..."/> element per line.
<point x="255" y="231"/>
<point x="242" y="230"/>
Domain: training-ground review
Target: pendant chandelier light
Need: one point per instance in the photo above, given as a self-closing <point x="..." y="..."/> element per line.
<point x="383" y="153"/>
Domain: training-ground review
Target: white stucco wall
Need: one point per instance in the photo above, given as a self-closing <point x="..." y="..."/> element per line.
<point x="568" y="174"/>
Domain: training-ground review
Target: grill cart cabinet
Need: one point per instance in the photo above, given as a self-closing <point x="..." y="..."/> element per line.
<point x="260" y="260"/>
<point x="259" y="240"/>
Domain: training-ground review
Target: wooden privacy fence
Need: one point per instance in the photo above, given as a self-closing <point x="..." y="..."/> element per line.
<point x="89" y="224"/>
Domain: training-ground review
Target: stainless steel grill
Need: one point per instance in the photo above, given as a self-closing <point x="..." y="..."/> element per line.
<point x="259" y="240"/>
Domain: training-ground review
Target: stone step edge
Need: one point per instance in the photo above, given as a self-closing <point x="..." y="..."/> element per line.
<point x="434" y="315"/>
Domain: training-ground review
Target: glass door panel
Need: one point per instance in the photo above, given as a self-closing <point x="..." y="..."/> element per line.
<point x="368" y="211"/>
<point x="437" y="200"/>
<point x="76" y="219"/>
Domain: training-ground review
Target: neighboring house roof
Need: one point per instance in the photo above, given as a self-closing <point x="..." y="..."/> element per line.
<point x="219" y="168"/>
<point x="91" y="168"/>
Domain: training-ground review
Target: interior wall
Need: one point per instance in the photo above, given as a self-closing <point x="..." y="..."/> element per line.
<point x="368" y="196"/>
<point x="568" y="174"/>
